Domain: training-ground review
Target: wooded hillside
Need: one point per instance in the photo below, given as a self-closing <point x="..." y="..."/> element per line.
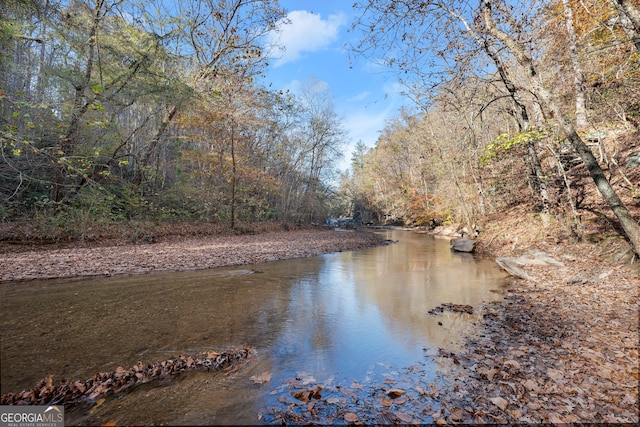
<point x="119" y="110"/>
<point x="534" y="104"/>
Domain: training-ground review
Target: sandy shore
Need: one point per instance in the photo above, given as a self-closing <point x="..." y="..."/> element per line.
<point x="46" y="262"/>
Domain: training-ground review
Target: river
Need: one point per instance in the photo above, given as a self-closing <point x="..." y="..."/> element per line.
<point x="335" y="320"/>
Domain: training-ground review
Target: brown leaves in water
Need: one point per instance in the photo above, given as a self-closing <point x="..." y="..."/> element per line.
<point x="399" y="397"/>
<point x="306" y="395"/>
<point x="455" y="308"/>
<point x="121" y="380"/>
<point x="262" y="378"/>
<point x="394" y="393"/>
<point x="350" y="417"/>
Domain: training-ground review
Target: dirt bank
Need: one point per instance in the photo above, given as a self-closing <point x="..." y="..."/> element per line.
<point x="20" y="262"/>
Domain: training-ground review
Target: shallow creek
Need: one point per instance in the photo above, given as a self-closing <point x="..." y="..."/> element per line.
<point x="341" y="318"/>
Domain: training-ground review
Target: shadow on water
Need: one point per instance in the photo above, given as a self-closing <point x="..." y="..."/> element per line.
<point x="333" y="320"/>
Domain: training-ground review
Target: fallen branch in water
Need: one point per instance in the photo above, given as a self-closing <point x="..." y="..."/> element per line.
<point x="121" y="380"/>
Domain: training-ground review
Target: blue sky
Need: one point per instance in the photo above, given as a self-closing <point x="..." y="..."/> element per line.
<point x="364" y="95"/>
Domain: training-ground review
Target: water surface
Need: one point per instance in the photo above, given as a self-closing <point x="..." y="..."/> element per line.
<point x="336" y="318"/>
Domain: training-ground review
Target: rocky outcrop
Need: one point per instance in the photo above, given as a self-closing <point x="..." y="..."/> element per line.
<point x="513" y="266"/>
<point x="463" y="245"/>
<point x="633" y="160"/>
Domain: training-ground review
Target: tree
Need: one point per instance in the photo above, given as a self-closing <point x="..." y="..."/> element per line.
<point x="394" y="25"/>
<point x="322" y="136"/>
<point x="578" y="75"/>
<point x="630" y="226"/>
<point x="223" y="36"/>
<point x="630" y="17"/>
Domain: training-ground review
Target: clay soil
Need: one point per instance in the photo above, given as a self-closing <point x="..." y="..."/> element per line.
<point x="178" y="247"/>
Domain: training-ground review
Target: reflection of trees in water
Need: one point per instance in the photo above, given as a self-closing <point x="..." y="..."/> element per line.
<point x="418" y="273"/>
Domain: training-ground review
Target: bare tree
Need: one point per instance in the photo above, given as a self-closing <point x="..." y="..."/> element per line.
<point x="404" y="34"/>
<point x="630" y="16"/>
<point x="578" y="75"/>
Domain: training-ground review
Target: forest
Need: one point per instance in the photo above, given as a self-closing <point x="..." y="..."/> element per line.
<point x="116" y="111"/>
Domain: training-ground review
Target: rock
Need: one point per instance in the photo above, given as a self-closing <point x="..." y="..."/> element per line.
<point x="538" y="258"/>
<point x="509" y="265"/>
<point x="445" y="230"/>
<point x="463" y="245"/>
<point x="596" y="136"/>
<point x="633" y="160"/>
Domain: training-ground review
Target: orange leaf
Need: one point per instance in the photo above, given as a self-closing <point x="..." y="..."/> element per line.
<point x="350" y="417"/>
<point x="386" y="402"/>
<point x="262" y="378"/>
<point x="395" y="392"/>
<point x="405" y="418"/>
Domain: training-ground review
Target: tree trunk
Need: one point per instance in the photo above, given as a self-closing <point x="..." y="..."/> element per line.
<point x="631" y="229"/>
<point x="40" y="82"/>
<point x="144" y="163"/>
<point x="630" y="20"/>
<point x="80" y="107"/>
<point x="578" y="75"/>
<point x="233" y="178"/>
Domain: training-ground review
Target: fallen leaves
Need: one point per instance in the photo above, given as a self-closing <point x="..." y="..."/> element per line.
<point x="102" y="384"/>
<point x="394" y="393"/>
<point x="306" y="395"/>
<point x="557" y="350"/>
<point x="350" y="417"/>
<point x="398" y="396"/>
<point x="499" y="402"/>
<point x="455" y="308"/>
<point x="187" y="253"/>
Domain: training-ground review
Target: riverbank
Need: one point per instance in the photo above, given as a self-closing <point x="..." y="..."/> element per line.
<point x="173" y="253"/>
<point x="561" y="347"/>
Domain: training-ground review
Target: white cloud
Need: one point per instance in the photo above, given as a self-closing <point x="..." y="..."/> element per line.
<point x="366" y="123"/>
<point x="305" y="32"/>
<point x="359" y="97"/>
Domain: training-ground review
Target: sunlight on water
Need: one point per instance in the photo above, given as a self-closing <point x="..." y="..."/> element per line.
<point x="337" y="318"/>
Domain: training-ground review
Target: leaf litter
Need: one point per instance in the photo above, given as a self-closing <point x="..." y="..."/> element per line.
<point x="95" y="389"/>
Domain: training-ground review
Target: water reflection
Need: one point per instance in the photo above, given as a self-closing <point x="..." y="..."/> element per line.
<point x="339" y="317"/>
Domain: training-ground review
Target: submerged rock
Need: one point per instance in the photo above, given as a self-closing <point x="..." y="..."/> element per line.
<point x="463" y="245"/>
